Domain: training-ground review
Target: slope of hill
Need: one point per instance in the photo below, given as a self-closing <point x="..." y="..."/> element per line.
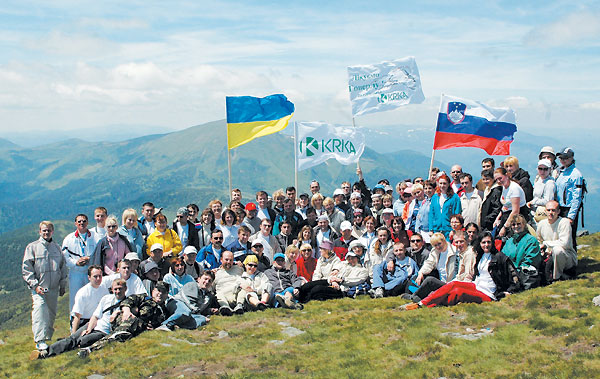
<point x="545" y="332"/>
<point x="59" y="180"/>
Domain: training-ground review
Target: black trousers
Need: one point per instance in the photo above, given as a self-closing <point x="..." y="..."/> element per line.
<point x="74" y="341"/>
<point x="428" y="285"/>
<point x="318" y="290"/>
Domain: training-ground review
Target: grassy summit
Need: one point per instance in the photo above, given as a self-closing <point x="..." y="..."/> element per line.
<point x="546" y="332"/>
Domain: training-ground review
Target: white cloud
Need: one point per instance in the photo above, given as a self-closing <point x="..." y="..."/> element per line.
<point x="106" y="23"/>
<point x="573" y="30"/>
<point x="592" y="106"/>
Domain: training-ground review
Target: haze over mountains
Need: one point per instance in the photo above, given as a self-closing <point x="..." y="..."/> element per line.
<point x="61" y="179"/>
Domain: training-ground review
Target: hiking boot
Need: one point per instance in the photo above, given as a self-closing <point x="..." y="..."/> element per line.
<point x="409" y="307"/>
<point x="239" y="309"/>
<point x="225" y="311"/>
<point x="83" y="353"/>
<point x="261" y="306"/>
<point x="41" y="346"/>
<point x="281" y="300"/>
<point x="120" y="336"/>
<point x="298" y="306"/>
<point x="378" y="293"/>
<point x="38" y="354"/>
<point x="289" y="303"/>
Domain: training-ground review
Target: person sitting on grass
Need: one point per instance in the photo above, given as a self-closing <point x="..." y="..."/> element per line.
<point x="255" y="285"/>
<point x="523" y="250"/>
<point x="138" y="314"/>
<point x="325" y="282"/>
<point x="227" y="279"/>
<point x="177" y="278"/>
<point x="285" y="284"/>
<point x="199" y="299"/>
<point x="306" y="263"/>
<point x="391" y="281"/>
<point x="495" y="278"/>
<point x="355" y="277"/>
<point x="98" y="326"/>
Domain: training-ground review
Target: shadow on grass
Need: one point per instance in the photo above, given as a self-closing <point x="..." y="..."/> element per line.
<point x="587" y="265"/>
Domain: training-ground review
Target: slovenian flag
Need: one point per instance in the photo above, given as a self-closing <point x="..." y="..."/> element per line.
<point x="468" y="123"/>
<point x="252" y="117"/>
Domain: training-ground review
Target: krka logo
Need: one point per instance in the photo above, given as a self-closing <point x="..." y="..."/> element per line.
<point x="332" y="145"/>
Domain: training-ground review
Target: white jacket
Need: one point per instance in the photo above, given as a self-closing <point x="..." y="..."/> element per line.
<point x="352" y="276"/>
<point x="260" y="283"/>
<point x="326" y="266"/>
<point x="228" y="281"/>
<point x="74" y="247"/>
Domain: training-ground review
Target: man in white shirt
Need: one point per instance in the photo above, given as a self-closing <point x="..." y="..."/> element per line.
<point x="87" y="298"/>
<point x="100" y="215"/>
<point x="554" y="234"/>
<point x="78" y="249"/>
<point x="134" y="283"/>
<point x="470" y="200"/>
<point x="98" y="326"/>
<point x="263" y="209"/>
<point x="227" y="283"/>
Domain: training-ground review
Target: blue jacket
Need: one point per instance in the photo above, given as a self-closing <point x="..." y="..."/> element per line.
<point x="439" y="219"/>
<point x="137" y="242"/>
<point x="207" y="258"/>
<point x="404" y="269"/>
<point x="569" y="189"/>
<point x="422" y="223"/>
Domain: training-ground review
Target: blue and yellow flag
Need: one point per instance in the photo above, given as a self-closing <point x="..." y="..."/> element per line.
<point x="252" y="117"/>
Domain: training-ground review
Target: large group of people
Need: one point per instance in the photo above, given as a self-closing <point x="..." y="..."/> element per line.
<point x="436" y="241"/>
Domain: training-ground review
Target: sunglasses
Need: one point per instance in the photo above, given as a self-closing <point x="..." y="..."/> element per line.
<point x="416" y="241"/>
<point x="251" y="265"/>
<point x="306" y="250"/>
<point x="543" y="168"/>
<point x="218" y="238"/>
<point x="111" y="226"/>
<point x="258" y="246"/>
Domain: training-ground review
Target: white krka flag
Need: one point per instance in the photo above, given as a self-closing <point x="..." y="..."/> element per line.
<point x="318" y="141"/>
<point x="384" y="86"/>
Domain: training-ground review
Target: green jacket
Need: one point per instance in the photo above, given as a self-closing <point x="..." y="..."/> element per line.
<point x="523" y="250"/>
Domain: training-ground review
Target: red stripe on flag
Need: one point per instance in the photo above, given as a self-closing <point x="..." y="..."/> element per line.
<point x="492" y="146"/>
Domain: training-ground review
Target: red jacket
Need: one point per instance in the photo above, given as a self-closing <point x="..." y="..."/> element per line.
<point x="306" y="268"/>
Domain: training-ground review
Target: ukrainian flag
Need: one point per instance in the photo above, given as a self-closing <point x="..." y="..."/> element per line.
<point x="252" y="117"/>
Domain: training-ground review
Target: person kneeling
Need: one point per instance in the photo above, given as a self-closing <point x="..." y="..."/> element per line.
<point x="390" y="280"/>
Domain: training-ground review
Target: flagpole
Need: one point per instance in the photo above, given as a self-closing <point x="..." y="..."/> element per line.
<point x="358" y="160"/>
<point x="296" y="155"/>
<point x="433" y="147"/>
<point x="229" y="163"/>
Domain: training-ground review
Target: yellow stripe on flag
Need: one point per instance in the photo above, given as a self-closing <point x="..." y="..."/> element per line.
<point x="244" y="132"/>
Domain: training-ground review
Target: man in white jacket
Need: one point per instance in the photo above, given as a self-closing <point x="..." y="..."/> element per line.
<point x="227" y="285"/>
<point x="470" y="200"/>
<point x="45" y="272"/>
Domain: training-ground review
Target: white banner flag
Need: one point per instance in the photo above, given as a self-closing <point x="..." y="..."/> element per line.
<point x="317" y="142"/>
<point x="384" y="86"/>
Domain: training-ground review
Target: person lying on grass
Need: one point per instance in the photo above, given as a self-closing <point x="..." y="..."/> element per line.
<point x="495" y="278"/>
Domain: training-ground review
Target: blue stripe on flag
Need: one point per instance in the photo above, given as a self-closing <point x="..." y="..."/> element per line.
<point x="478" y="126"/>
<point x="241" y="109"/>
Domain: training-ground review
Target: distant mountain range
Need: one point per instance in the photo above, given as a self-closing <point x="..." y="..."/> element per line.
<point x="60" y="179"/>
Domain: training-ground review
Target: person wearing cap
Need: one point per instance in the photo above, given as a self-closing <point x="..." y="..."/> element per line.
<point x="177" y="277"/>
<point x="258" y="250"/>
<point x="570" y="190"/>
<point x="359" y="250"/>
<point x="186" y="230"/>
<point x="134" y="263"/>
<point x="544" y="189"/>
<point x="44" y="270"/>
<point x="547" y="152"/>
<point x="192" y="267"/>
<point x="355" y="278"/>
<point x="156" y="256"/>
<point x="285" y="284"/>
<point x="326" y="281"/>
<point x="376" y="206"/>
<point x="356" y="204"/>
<point x="240" y="247"/>
<point x="168" y="238"/>
<point x="339" y="199"/>
<point x="303" y="204"/>
<point x="378" y="189"/>
<point x="134" y="283"/>
<point x="251" y="221"/>
<point x="210" y="255"/>
<point x="129" y="229"/>
<point x="111" y="248"/>
<point x="255" y="285"/>
<point x="227" y="280"/>
<point x="151" y="275"/>
<point x="323" y="231"/>
<point x="138" y="314"/>
<point x="290" y="215"/>
<point x="341" y="244"/>
<point x="335" y="215"/>
<point x="387" y="216"/>
<point x="392" y="282"/>
<point x="556" y="244"/>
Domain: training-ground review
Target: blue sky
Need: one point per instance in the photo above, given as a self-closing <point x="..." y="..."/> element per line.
<point x="66" y="65"/>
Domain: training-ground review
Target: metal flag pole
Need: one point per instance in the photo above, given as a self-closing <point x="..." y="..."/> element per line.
<point x="358" y="160"/>
<point x="296" y="155"/>
<point x="433" y="148"/>
<point x="229" y="163"/>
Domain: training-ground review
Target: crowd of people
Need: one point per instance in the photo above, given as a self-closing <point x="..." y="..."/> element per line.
<point x="438" y="240"/>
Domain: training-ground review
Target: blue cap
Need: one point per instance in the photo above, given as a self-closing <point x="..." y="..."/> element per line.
<point x="278" y="255"/>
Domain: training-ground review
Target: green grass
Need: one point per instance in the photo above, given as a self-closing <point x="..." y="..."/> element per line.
<point x="546" y="332"/>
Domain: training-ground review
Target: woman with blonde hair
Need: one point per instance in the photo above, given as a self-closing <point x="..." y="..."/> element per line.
<point x="511" y="164"/>
<point x="129" y="229"/>
<point x="317" y="202"/>
<point x="513" y="201"/>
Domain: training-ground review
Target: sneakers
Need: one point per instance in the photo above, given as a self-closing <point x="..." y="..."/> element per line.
<point x="225" y="311"/>
<point x="261" y="306"/>
<point x="164" y="328"/>
<point x="120" y="336"/>
<point x="41" y="346"/>
<point x="239" y="309"/>
<point x="298" y="306"/>
<point x="83" y="353"/>
<point x="409" y="307"/>
<point x="281" y="300"/>
<point x="38" y="354"/>
<point x="289" y="303"/>
<point x="378" y="293"/>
